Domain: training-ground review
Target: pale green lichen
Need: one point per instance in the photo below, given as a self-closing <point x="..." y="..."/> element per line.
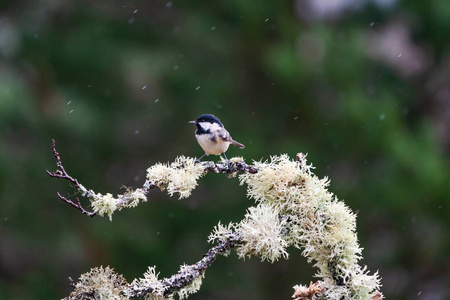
<point x="179" y="177"/>
<point x="100" y="283"/>
<point x="191" y="288"/>
<point x="132" y="198"/>
<point x="158" y="288"/>
<point x="261" y="231"/>
<point x="221" y="232"/>
<point x="311" y="218"/>
<point x="104" y="204"/>
<point x="151" y="279"/>
<point x="237" y="159"/>
<point x="108" y="204"/>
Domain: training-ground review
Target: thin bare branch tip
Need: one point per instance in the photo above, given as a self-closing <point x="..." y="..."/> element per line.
<point x="76" y="205"/>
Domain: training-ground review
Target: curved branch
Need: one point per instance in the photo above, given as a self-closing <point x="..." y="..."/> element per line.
<point x="230" y="168"/>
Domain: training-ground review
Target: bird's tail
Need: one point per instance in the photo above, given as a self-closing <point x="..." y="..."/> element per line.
<point x="236" y="144"/>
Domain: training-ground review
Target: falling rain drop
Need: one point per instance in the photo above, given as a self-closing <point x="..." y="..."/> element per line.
<point x="197" y="88"/>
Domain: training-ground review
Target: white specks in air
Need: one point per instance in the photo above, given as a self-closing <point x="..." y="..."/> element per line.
<point x="266" y="20"/>
<point x="419" y="293"/>
<point x="36" y="35"/>
<point x="144" y="87"/>
<point x="175" y="67"/>
<point x="197" y="88"/>
<point x="130" y="20"/>
<point x="214" y="27"/>
<point x="371" y="24"/>
<point x="89" y="85"/>
<point x="71" y="111"/>
<point x="399" y="55"/>
<point x="382" y="116"/>
<point x="157" y="100"/>
<point x="136" y="131"/>
<point x="295" y="118"/>
<point x="69" y="102"/>
<point x="135" y="11"/>
<point x="169" y="4"/>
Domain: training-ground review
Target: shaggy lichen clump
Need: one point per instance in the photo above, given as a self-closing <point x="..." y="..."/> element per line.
<point x="296" y="209"/>
<point x="100" y="283"/>
<point x="311" y="218"/>
<point x="178" y="177"/>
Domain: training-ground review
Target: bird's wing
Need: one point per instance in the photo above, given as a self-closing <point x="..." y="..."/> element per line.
<point x="224" y="135"/>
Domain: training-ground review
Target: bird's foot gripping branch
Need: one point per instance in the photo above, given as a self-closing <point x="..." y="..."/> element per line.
<point x="293" y="208"/>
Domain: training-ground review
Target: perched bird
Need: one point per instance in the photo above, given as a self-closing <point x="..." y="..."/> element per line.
<point x="212" y="136"/>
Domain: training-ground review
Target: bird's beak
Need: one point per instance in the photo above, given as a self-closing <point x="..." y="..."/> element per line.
<point x="192" y="122"/>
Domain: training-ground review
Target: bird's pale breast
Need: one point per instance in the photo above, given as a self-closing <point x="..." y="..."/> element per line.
<point x="212" y="147"/>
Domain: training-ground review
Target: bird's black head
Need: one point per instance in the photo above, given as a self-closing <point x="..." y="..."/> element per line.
<point x="204" y="123"/>
<point x="208" y="118"/>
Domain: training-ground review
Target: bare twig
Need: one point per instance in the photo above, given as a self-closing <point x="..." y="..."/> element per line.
<point x="72" y="283"/>
<point x="77" y="205"/>
<point x="62" y="174"/>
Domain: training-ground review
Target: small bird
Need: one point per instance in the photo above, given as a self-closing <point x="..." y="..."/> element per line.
<point x="212" y="136"/>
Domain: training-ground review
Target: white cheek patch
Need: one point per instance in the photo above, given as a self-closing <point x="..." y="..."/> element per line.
<point x="214" y="127"/>
<point x="205" y="125"/>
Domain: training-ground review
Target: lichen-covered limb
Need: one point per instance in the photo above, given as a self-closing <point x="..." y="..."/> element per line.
<point x="179" y="177"/>
<point x="186" y="281"/>
<point x="104" y="283"/>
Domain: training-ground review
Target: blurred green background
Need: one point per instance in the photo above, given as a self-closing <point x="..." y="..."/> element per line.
<point x="363" y="87"/>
